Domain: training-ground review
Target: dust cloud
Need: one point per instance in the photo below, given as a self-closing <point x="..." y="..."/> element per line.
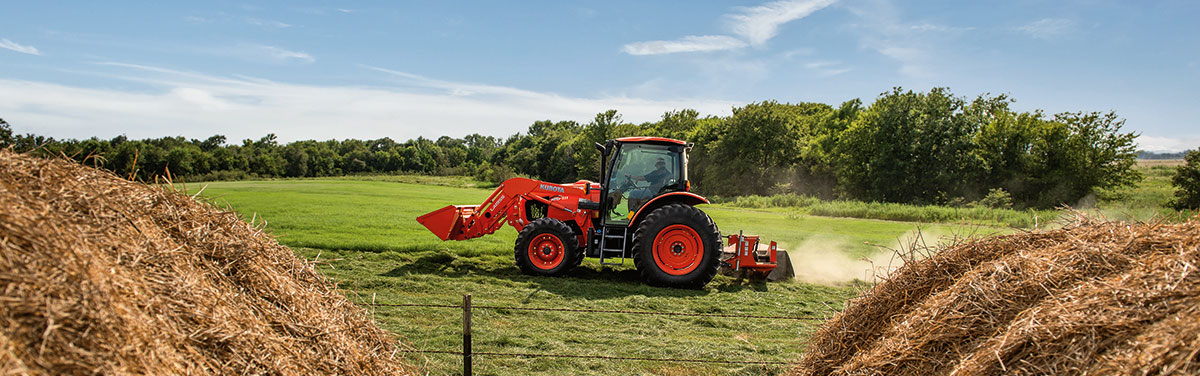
<point x="829" y="260"/>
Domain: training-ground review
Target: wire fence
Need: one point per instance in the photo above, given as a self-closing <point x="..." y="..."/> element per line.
<point x="811" y="318"/>
<point x="468" y="355"/>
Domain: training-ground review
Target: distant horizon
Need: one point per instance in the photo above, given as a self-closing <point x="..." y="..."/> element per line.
<point x="368" y="70"/>
<point x="231" y="141"/>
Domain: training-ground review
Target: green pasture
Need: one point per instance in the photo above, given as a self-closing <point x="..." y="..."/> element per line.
<point x="362" y="233"/>
<point x="1146" y="200"/>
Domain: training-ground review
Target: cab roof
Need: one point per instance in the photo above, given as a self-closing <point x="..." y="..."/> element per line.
<point x="651" y="140"/>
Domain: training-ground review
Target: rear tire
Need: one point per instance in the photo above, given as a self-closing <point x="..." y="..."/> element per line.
<point x="547" y="247"/>
<point x="677" y="246"/>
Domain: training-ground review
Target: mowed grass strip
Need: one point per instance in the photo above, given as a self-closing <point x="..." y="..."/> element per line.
<point x="363" y="234"/>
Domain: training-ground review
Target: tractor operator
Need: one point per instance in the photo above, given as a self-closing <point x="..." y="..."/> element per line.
<point x="656" y="179"/>
<point x="638" y="196"/>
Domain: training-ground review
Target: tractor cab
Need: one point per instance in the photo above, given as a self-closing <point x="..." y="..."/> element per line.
<point x="639" y="176"/>
<point x="639" y="169"/>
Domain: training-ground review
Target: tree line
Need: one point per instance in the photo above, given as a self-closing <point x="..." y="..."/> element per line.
<point x="907" y="147"/>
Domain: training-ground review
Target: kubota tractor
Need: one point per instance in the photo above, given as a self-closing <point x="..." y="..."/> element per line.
<point x="642" y="209"/>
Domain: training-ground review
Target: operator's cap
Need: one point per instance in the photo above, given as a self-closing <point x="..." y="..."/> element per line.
<point x="660" y="161"/>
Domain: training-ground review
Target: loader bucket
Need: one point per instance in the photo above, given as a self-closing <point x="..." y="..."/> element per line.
<point x="447" y="222"/>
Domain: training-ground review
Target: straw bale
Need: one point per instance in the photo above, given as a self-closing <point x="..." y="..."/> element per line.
<point x="1090" y="298"/>
<point x="105" y="276"/>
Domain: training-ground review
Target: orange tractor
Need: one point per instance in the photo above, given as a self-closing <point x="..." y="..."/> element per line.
<point x="643" y="210"/>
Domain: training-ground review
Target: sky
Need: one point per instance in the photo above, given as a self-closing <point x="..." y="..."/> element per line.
<point x="346" y="69"/>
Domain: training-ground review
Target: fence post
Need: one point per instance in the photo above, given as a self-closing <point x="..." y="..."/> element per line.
<point x="467" y="335"/>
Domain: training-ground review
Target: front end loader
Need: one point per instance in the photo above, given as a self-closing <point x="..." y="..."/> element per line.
<point x="642" y="210"/>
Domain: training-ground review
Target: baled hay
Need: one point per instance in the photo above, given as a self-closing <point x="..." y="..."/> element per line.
<point x="1091" y="298"/>
<point x="105" y="276"/>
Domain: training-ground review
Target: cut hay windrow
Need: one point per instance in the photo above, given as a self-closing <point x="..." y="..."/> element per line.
<point x="101" y="275"/>
<point x="1094" y="298"/>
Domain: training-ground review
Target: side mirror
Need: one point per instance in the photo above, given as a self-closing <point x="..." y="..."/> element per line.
<point x="600" y="147"/>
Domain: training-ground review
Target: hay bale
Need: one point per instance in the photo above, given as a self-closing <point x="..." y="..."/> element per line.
<point x="105" y="276"/>
<point x="1090" y="298"/>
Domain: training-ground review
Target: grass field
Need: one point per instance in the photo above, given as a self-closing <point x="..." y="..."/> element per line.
<point x="1148" y="199"/>
<point x="807" y="205"/>
<point x="361" y="232"/>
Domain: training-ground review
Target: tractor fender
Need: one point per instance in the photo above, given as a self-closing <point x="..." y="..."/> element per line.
<point x="686" y="198"/>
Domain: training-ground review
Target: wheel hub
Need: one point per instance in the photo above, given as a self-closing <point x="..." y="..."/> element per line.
<point x="546" y="251"/>
<point x="677" y="249"/>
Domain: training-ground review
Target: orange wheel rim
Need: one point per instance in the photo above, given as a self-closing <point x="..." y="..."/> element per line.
<point x="546" y="251"/>
<point x="678" y="250"/>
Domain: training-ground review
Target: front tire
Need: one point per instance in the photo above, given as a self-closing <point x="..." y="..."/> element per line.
<point x="677" y="246"/>
<point x="547" y="247"/>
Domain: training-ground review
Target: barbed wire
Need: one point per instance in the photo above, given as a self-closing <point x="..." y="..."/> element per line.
<point x="529" y="355"/>
<point x="599" y="311"/>
<point x="459" y="306"/>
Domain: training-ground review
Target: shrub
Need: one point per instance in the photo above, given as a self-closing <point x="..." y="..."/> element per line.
<point x="1187" y="183"/>
<point x="223" y="175"/>
<point x="997" y="198"/>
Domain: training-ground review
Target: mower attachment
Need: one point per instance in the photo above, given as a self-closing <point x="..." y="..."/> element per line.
<point x="744" y="256"/>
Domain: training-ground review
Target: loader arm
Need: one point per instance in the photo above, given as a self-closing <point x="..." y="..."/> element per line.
<point x="462" y="222"/>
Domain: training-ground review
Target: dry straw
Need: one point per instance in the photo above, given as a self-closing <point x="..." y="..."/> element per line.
<point x="101" y="275"/>
<point x="1091" y="298"/>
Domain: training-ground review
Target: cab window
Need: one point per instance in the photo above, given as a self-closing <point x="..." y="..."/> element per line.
<point x="641" y="172"/>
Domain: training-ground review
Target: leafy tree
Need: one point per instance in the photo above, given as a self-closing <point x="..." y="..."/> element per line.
<point x="906" y="147"/>
<point x="1077" y="154"/>
<point x="605" y="126"/>
<point x="297" y="161"/>
<point x="6" y="135"/>
<point x="676" y="124"/>
<point x="1187" y="183"/>
<point x="761" y="148"/>
<point x="546" y="152"/>
<point x="1003" y="149"/>
<point x="180" y="161"/>
<point x="211" y="143"/>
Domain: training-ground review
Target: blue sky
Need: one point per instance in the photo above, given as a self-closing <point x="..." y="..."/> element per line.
<point x="408" y="69"/>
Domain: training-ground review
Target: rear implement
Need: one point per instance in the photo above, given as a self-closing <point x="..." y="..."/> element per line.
<point x="743" y="258"/>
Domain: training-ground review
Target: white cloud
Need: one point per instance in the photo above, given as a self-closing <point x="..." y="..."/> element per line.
<point x="257" y="53"/>
<point x="1168" y="144"/>
<point x="913" y="46"/>
<point x="691" y="43"/>
<point x="931" y="27"/>
<point x="913" y="61"/>
<point x="826" y="68"/>
<point x="286" y="55"/>
<point x="268" y="23"/>
<point x="755" y="26"/>
<point x="803" y="51"/>
<point x="197" y="105"/>
<point x="761" y="23"/>
<point x="200" y="97"/>
<point x="1048" y="28"/>
<point x="10" y="45"/>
